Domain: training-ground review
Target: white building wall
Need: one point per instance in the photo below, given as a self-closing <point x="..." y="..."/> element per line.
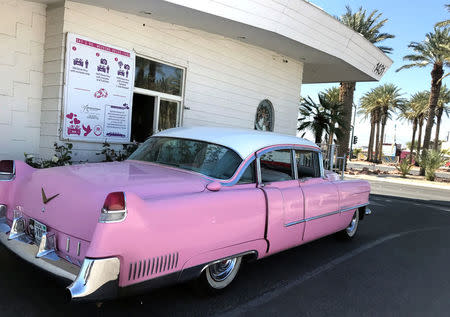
<point x="22" y="29"/>
<point x="225" y="79"/>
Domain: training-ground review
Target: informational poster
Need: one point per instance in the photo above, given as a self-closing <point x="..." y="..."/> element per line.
<point x="98" y="91"/>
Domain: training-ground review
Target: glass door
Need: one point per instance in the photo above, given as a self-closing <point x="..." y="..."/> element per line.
<point x="169" y="113"/>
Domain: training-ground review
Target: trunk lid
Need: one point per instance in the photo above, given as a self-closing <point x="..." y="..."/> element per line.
<point x="75" y="194"/>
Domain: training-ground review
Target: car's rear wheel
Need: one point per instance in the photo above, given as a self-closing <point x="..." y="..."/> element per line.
<point x="219" y="275"/>
<point x="349" y="232"/>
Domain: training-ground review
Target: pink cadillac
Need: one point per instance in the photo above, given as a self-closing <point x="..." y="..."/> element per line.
<point x="189" y="203"/>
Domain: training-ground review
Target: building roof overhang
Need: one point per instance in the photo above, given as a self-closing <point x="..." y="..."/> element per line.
<point x="330" y="51"/>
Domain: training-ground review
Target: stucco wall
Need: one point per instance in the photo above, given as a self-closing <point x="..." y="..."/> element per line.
<point x="225" y="79"/>
<point x="22" y="30"/>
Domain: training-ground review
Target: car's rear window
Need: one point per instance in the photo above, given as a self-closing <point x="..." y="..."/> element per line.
<point x="206" y="158"/>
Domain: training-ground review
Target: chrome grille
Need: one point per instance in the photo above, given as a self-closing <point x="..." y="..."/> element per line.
<point x="148" y="267"/>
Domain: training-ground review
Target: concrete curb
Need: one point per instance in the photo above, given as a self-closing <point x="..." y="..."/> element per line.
<point x="398" y="181"/>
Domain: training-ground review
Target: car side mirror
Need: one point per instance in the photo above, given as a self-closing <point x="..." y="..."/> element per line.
<point x="214" y="186"/>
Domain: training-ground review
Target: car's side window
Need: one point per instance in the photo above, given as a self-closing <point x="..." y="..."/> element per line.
<point x="276" y="166"/>
<point x="307" y="163"/>
<point x="248" y="177"/>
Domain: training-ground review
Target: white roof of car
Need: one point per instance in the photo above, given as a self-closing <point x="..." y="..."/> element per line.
<point x="244" y="142"/>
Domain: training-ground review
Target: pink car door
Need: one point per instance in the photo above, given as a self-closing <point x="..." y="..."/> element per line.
<point x="321" y="197"/>
<point x="284" y="199"/>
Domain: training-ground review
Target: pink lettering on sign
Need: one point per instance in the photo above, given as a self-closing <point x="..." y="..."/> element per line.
<point x="102" y="47"/>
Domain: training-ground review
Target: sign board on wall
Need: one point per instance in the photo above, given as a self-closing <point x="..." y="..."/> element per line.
<point x="98" y="91"/>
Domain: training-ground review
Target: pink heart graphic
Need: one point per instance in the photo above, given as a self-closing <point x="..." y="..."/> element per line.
<point x="76" y="121"/>
<point x="71" y="122"/>
<point x="69" y="116"/>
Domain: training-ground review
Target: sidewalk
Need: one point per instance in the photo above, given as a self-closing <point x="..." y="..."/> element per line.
<point x="383" y="167"/>
<point x="399" y="180"/>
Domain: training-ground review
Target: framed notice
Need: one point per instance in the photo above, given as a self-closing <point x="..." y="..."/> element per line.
<point x="98" y="91"/>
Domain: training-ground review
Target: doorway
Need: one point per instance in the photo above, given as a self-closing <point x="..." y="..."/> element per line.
<point x="143" y="117"/>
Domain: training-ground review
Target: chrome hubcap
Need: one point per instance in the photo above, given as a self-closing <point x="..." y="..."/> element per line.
<point x="352" y="227"/>
<point x="221" y="270"/>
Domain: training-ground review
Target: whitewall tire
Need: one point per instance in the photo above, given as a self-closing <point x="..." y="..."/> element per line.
<point x="218" y="276"/>
<point x="349" y="232"/>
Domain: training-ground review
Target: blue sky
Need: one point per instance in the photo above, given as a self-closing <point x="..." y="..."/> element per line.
<point x="408" y="21"/>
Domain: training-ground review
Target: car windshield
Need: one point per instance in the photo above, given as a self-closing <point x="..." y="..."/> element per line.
<point x="206" y="158"/>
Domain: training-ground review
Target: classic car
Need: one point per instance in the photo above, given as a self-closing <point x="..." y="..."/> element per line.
<point x="189" y="203"/>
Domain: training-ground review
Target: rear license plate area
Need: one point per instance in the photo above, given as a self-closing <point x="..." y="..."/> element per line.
<point x="37" y="230"/>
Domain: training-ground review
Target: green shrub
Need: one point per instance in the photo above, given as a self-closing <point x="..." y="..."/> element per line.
<point x="112" y="155"/>
<point x="431" y="160"/>
<point x="356" y="152"/>
<point x="60" y="158"/>
<point x="404" y="167"/>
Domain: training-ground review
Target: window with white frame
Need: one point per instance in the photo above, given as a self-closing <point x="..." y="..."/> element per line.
<point x="157" y="99"/>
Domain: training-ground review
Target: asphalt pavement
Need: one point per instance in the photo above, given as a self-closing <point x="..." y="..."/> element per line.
<point x="398" y="264"/>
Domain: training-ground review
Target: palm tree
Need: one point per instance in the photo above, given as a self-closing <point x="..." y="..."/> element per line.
<point x="369" y="26"/>
<point x="444" y="99"/>
<point x="388" y="97"/>
<point x="432" y="51"/>
<point x="444" y="23"/>
<point x="331" y="96"/>
<point x="414" y="111"/>
<point x="380" y="102"/>
<point x="370" y="109"/>
<point x="319" y="118"/>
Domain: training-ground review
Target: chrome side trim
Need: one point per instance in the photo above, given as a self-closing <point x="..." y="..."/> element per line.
<point x="354" y="207"/>
<point x="68" y="245"/>
<point x="325" y="215"/>
<point x="98" y="278"/>
<point x="78" y="248"/>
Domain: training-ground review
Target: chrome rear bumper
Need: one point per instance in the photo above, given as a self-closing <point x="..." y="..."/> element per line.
<point x="26" y="251"/>
<point x="97" y="279"/>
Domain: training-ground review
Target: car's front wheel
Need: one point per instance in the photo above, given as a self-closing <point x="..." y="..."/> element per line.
<point x="349" y="232"/>
<point x="219" y="275"/>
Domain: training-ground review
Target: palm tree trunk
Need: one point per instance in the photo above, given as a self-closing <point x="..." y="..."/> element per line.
<point x="346" y="91"/>
<point x="377" y="142"/>
<point x="383" y="126"/>
<point x="330" y="137"/>
<point x="372" y="135"/>
<point x="318" y="137"/>
<point x="419" y="139"/>
<point x="413" y="140"/>
<point x="439" y="112"/>
<point x="436" y="75"/>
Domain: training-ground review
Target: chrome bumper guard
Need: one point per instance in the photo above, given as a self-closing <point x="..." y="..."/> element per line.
<point x="97" y="279"/>
<point x="28" y="252"/>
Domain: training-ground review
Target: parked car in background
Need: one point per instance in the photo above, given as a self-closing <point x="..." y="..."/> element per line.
<point x="189" y="203"/>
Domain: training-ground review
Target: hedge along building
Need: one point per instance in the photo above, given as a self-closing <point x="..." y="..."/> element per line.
<point x="206" y="62"/>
